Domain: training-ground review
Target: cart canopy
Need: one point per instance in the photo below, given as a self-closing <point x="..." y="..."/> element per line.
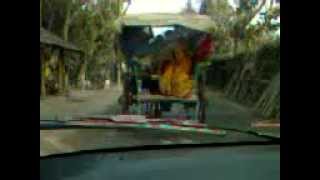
<point x="192" y="21"/>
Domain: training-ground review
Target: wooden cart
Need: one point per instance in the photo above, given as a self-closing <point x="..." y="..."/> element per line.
<point x="196" y="22"/>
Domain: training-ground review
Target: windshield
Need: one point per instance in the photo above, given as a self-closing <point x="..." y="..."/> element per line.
<point x="123" y="73"/>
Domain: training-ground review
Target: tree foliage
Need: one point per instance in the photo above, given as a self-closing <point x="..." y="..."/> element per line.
<point x="92" y="25"/>
<point x="234" y="33"/>
<point x="251" y="73"/>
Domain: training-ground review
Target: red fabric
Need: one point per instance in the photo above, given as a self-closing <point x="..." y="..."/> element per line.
<point x="205" y="49"/>
<point x="154" y="122"/>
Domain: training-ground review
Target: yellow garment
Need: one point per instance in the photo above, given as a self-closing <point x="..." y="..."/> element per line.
<point x="182" y="85"/>
<point x="176" y="78"/>
<point x="165" y="80"/>
<point x="47" y="72"/>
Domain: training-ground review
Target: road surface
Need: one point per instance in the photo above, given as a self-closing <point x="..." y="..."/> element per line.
<point x="80" y="103"/>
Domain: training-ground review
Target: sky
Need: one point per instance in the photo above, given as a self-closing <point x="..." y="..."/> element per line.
<point x="169" y="6"/>
<point x="160" y="6"/>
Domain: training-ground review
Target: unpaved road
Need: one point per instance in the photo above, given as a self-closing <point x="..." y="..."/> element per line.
<point x="224" y="113"/>
<point x="221" y="113"/>
<point x="80" y="103"/>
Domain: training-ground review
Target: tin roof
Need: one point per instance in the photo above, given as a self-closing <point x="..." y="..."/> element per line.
<point x="49" y="38"/>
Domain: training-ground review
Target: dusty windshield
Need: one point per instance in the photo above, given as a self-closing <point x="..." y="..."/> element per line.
<point x="158" y="72"/>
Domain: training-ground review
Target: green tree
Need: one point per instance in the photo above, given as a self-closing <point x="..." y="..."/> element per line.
<point x="92" y="25"/>
<point x="232" y="24"/>
<point x="96" y="29"/>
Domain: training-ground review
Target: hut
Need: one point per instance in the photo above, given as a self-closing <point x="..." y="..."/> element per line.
<point x="53" y="48"/>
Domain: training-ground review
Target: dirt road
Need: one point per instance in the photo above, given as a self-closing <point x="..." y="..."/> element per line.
<point x="80" y="103"/>
<point x="224" y="113"/>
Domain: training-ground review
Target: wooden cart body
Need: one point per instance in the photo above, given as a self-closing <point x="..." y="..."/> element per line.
<point x="196" y="22"/>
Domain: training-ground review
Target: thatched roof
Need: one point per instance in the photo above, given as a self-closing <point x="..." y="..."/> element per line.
<point x="49" y="38"/>
<point x="193" y="21"/>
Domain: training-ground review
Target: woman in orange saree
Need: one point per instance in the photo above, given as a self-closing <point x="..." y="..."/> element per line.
<point x="176" y="77"/>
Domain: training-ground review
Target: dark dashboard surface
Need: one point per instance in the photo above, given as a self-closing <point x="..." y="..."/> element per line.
<point x="221" y="163"/>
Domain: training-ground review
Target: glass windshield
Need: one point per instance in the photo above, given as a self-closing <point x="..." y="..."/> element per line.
<point x="145" y="72"/>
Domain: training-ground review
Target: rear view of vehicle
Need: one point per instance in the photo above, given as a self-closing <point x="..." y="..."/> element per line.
<point x="170" y="89"/>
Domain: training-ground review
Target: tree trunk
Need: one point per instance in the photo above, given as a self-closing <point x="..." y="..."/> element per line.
<point x="118" y="57"/>
<point x="66" y="81"/>
<point x="66" y="73"/>
<point x="82" y="75"/>
<point x="64" y="76"/>
<point x="43" y="63"/>
<point x="61" y="78"/>
<point x="66" y="29"/>
<point x="67" y="22"/>
<point x="125" y="10"/>
<point x="119" y="82"/>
